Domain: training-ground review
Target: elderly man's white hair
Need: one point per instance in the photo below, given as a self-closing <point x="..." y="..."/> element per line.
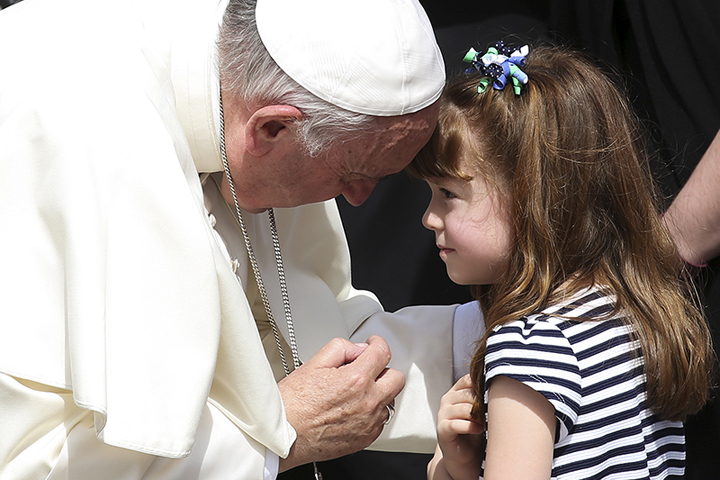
<point x="249" y="72"/>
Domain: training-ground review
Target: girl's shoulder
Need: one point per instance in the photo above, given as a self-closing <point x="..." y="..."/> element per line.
<point x="586" y="314"/>
<point x="591" y="303"/>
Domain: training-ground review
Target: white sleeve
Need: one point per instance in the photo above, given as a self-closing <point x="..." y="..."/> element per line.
<point x="420" y="340"/>
<point x="221" y="450"/>
<point x="45" y="435"/>
<point x="432" y="346"/>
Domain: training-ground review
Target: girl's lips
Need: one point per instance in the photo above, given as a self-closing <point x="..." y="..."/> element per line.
<point x="444" y="251"/>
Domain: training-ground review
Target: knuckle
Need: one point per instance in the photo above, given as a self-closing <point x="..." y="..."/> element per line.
<point x="359" y="379"/>
<point x="337" y="342"/>
<point x="384" y="349"/>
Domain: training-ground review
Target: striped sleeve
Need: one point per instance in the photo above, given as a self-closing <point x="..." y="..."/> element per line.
<point x="540" y="356"/>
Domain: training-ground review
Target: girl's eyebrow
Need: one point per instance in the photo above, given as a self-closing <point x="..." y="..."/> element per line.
<point x="438" y="180"/>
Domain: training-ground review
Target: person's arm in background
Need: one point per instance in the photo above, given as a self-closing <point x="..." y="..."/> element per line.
<point x="693" y="219"/>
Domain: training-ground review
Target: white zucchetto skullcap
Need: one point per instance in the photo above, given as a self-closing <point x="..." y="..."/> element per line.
<point x="377" y="57"/>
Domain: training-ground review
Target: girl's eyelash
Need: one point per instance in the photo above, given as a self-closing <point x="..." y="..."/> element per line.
<point x="447" y="193"/>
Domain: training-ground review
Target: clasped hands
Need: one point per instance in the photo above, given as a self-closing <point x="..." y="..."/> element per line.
<point x="336" y="401"/>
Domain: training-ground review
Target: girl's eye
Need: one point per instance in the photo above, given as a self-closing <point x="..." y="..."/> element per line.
<point x="447" y="193"/>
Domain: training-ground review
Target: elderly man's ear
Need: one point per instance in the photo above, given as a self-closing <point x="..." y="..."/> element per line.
<point x="271" y="127"/>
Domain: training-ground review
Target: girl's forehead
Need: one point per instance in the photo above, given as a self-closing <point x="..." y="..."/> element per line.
<point x="473" y="162"/>
<point x="468" y="163"/>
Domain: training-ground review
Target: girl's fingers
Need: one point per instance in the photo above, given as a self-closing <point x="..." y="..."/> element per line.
<point x="460" y="392"/>
<point x="463" y="382"/>
<point x="459" y="411"/>
<point x="465" y="427"/>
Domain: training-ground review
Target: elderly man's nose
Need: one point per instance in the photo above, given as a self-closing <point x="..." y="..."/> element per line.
<point x="357" y="191"/>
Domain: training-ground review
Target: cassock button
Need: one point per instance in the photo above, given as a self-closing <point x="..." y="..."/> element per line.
<point x="235" y="265"/>
<point x="211" y="217"/>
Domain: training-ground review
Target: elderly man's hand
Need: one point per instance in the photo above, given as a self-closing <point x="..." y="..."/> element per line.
<point x="337" y="400"/>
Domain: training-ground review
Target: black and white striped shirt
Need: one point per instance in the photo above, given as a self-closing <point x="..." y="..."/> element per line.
<point x="591" y="371"/>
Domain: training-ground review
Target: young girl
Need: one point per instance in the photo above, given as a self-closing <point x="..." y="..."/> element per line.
<point x="594" y="350"/>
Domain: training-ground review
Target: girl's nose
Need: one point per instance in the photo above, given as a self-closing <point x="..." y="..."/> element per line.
<point x="431" y="220"/>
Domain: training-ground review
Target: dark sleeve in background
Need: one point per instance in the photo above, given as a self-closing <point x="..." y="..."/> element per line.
<point x="668" y="52"/>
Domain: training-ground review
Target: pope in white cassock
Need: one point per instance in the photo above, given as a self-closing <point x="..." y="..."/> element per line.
<point x="173" y="270"/>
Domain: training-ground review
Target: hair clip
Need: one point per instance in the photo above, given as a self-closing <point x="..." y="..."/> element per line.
<point x="499" y="63"/>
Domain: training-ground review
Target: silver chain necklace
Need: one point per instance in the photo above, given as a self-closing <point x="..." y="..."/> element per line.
<point x="256" y="270"/>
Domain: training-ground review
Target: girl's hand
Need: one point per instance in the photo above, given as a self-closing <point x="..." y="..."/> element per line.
<point x="460" y="439"/>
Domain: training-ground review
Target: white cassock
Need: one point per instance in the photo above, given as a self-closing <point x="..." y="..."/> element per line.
<point x="128" y="344"/>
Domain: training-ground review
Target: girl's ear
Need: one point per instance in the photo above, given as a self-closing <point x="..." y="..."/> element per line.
<point x="271" y="127"/>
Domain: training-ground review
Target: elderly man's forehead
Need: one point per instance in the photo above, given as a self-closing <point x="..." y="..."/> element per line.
<point x="417" y="122"/>
<point x="388" y="148"/>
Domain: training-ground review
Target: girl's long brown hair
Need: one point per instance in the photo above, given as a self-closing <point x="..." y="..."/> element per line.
<point x="569" y="152"/>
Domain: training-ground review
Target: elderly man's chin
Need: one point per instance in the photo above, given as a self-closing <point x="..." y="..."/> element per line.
<point x="256" y="210"/>
<point x="261" y="207"/>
